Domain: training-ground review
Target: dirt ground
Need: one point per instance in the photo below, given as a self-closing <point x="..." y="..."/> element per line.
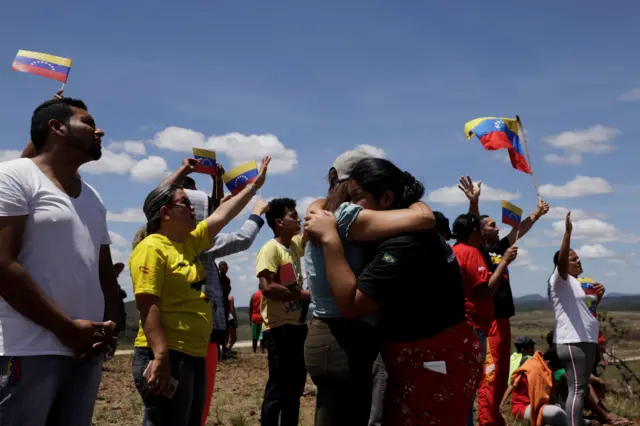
<point x="238" y="396"/>
<point x="237" y="399"/>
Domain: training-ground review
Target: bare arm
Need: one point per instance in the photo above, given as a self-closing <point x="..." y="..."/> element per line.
<point x="188" y="165"/>
<point x="563" y="257"/>
<point x="114" y="307"/>
<point x="275" y="291"/>
<point x="218" y="187"/>
<point x="151" y="320"/>
<point x="504" y="409"/>
<point x="372" y="225"/>
<point x="16" y="286"/>
<point x="351" y="302"/>
<point x="472" y="192"/>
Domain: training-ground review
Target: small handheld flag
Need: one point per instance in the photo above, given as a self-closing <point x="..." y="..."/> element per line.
<point x="511" y="214"/>
<point x="42" y="64"/>
<point x="241" y="176"/>
<point x="498" y="133"/>
<point x="207" y="160"/>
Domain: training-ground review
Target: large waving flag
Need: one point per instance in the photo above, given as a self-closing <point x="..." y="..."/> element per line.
<point x="241" y="176"/>
<point x="49" y="66"/>
<point x="498" y="133"/>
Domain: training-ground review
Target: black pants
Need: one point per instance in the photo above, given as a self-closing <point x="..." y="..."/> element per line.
<point x="339" y="354"/>
<point x="185" y="408"/>
<point x="287" y="375"/>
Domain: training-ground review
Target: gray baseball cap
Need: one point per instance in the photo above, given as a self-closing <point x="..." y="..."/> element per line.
<point x="346" y="161"/>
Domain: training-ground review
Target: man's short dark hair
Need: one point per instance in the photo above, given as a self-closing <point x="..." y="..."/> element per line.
<point x="278" y="210"/>
<point x="54" y="109"/>
<point x="188" y="183"/>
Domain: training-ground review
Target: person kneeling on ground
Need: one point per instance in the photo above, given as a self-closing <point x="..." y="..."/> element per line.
<point x="532" y="393"/>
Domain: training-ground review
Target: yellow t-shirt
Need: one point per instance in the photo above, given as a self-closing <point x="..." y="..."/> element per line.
<point x="271" y="257"/>
<point x="173" y="272"/>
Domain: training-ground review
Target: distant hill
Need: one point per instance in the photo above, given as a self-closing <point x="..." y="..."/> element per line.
<point x="529" y="302"/>
<point x="611" y="302"/>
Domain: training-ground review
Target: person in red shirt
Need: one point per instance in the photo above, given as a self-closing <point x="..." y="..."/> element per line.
<point x="479" y="283"/>
<point x="256" y="320"/>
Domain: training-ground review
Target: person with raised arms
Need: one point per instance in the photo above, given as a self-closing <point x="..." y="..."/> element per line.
<point x="169" y="367"/>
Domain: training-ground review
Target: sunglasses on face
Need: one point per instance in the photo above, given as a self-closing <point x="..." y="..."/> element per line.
<point x="185" y="202"/>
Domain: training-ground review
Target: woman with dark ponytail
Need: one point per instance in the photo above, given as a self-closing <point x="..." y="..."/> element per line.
<point x="175" y="317"/>
<point x="413" y="283"/>
<point x="576" y="329"/>
<point x="340" y="351"/>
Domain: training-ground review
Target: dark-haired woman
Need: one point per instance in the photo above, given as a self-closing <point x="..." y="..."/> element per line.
<point x="576" y="329"/>
<point x="175" y="319"/>
<point x="479" y="283"/>
<point x="339" y="351"/>
<point x="413" y="283"/>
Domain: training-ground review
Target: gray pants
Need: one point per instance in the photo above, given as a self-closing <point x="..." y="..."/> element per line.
<point x="48" y="390"/>
<point x="551" y="415"/>
<point x="577" y="360"/>
<point x="379" y="388"/>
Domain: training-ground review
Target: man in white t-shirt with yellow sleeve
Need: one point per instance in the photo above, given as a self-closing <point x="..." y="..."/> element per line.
<point x="279" y="270"/>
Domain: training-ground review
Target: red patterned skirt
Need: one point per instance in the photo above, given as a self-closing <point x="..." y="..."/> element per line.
<point x="432" y="381"/>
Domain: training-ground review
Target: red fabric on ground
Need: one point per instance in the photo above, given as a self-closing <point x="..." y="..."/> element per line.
<point x="496" y="379"/>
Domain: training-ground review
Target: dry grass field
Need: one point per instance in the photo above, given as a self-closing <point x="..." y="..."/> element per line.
<point x="240" y="382"/>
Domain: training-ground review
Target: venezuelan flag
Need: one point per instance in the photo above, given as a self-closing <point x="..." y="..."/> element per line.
<point x="49" y="66"/>
<point x="240" y="177"/>
<point x="498" y="133"/>
<point x="511" y="214"/>
<point x="207" y="160"/>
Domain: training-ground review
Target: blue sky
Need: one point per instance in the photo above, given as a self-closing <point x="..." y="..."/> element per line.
<point x="304" y="81"/>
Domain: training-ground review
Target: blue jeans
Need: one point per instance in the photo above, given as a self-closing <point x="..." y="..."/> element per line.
<point x="483" y="343"/>
<point x="48" y="390"/>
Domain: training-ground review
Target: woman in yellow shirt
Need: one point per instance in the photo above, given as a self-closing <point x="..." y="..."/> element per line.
<point x="175" y="317"/>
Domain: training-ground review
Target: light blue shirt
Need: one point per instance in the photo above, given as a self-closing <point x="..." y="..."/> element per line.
<point x="321" y="296"/>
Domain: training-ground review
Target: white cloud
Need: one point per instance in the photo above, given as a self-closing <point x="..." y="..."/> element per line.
<point x="612" y="274"/>
<point x="110" y="162"/>
<point x="596" y="139"/>
<point x="595" y="231"/>
<point x="374" y="151"/>
<point x="578" y="187"/>
<point x="131" y="214"/>
<point x="571" y="159"/>
<point x="9" y="154"/>
<point x="594" y="251"/>
<point x="558" y="212"/>
<point x="630" y="96"/>
<point x="242" y="148"/>
<point x="179" y="139"/>
<point x="239" y="147"/>
<point x="118" y="240"/>
<point x="150" y="169"/>
<point x="525" y="260"/>
<point x="130" y="147"/>
<point x="452" y="195"/>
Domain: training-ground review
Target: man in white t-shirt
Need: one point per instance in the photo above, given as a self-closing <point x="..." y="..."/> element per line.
<point x="59" y="296"/>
